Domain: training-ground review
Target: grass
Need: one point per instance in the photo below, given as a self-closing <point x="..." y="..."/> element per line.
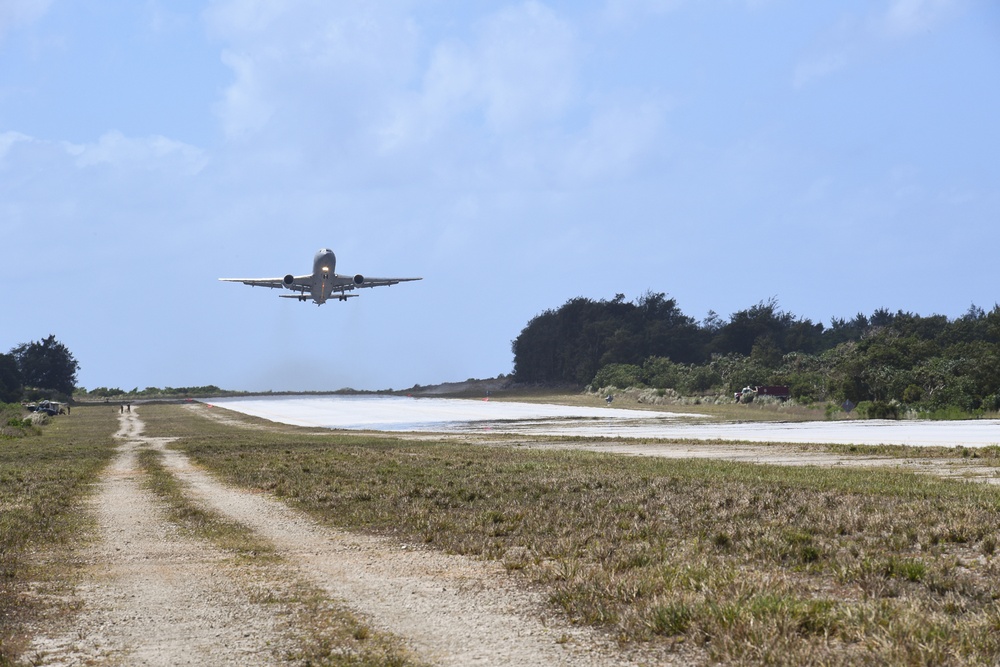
<point x="748" y="563"/>
<point x="15" y="422"/>
<point x="729" y="411"/>
<point x="44" y="479"/>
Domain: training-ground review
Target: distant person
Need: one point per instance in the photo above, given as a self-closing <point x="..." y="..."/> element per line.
<point x="609" y="398"/>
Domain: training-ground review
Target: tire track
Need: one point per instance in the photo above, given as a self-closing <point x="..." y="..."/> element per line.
<point x="151" y="596"/>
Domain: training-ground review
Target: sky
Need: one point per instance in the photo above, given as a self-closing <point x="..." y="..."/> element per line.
<point x="835" y="157"/>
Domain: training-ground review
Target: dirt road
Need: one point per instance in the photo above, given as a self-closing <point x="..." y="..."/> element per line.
<point x="152" y="596"/>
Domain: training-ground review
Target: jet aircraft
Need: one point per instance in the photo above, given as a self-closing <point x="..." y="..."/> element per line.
<point x="322" y="284"/>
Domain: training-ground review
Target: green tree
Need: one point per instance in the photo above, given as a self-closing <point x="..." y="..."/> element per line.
<point x="46" y="364"/>
<point x="766" y="321"/>
<point x="571" y="344"/>
<point x="11" y="386"/>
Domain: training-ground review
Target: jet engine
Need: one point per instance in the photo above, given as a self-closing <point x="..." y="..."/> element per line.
<point x="288" y="280"/>
<point x="358" y="279"/>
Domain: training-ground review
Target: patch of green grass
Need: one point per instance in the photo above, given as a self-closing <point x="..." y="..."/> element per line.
<point x="43" y="482"/>
<point x="752" y="563"/>
<point x="15" y="422"/>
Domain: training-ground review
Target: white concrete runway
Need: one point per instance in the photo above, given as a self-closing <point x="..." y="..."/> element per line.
<point x="395" y="413"/>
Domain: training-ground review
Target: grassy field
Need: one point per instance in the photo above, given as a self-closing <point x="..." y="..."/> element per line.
<point x="730" y="411"/>
<point x="43" y="480"/>
<point x="750" y="564"/>
<point x="324" y="633"/>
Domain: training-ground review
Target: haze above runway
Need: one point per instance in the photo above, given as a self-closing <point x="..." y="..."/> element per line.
<point x="397" y="413"/>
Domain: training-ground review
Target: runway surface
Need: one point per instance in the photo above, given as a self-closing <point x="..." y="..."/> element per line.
<point x="396" y="413"/>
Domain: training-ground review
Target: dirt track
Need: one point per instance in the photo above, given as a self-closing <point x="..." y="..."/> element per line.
<point x="153" y="597"/>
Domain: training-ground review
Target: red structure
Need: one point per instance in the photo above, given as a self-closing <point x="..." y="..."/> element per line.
<point x="774" y="390"/>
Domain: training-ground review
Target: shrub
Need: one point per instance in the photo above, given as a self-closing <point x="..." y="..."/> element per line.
<point x="878" y="409"/>
<point x="619" y="375"/>
<point x="700" y="379"/>
<point x="991" y="403"/>
<point x="912" y="394"/>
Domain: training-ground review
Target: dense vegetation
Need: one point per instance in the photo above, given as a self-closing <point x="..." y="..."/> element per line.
<point x="148" y="392"/>
<point x="930" y="364"/>
<point x="39" y="369"/>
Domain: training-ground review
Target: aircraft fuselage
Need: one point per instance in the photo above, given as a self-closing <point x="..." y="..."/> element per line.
<point x="324" y="266"/>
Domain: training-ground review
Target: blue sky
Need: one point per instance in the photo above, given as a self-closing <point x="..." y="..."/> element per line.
<point x="837" y="157"/>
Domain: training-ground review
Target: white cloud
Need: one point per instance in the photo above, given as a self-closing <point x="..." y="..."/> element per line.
<point x="447" y="92"/>
<point x="527" y="64"/>
<point x="910" y="17"/>
<point x="517" y="72"/>
<point x="615" y="140"/>
<point x="7" y="141"/>
<point x="149" y="153"/>
<point x="808" y="71"/>
<point x="518" y="69"/>
<point x="154" y="153"/>
<point x="244" y="108"/>
<point x="17" y="13"/>
<point x="619" y="11"/>
<point x="852" y="39"/>
<point x="387" y="99"/>
<point x="308" y="63"/>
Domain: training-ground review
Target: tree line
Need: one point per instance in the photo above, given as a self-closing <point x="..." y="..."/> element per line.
<point x="45" y="368"/>
<point x="887" y="358"/>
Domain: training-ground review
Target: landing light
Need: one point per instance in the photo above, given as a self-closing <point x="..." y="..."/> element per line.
<point x="326" y="269"/>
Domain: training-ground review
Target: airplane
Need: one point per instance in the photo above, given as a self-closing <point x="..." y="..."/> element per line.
<point x="322" y="284"/>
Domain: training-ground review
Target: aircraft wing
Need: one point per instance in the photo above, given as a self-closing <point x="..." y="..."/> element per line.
<point x="298" y="282"/>
<point x="345" y="283"/>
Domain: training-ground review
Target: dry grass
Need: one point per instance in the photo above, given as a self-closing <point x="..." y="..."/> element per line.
<point x="764" y="410"/>
<point x="322" y="632"/>
<point x="753" y="564"/>
<point x="43" y="480"/>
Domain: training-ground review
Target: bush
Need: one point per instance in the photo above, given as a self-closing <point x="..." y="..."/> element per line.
<point x="662" y="373"/>
<point x="878" y="410"/>
<point x="803" y="391"/>
<point x="13" y="423"/>
<point x="700" y="379"/>
<point x="912" y="394"/>
<point x="991" y="403"/>
<point x="619" y="375"/>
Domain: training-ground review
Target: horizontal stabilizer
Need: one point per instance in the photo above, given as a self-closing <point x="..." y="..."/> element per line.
<point x="305" y="296"/>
